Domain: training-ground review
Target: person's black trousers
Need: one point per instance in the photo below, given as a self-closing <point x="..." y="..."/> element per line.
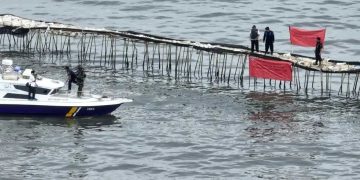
<point x="255" y="44"/>
<point x="32" y="91"/>
<point x="267" y="46"/>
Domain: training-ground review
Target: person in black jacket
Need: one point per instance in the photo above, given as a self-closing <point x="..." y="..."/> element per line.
<point x="254" y="38"/>
<point x="318" y="48"/>
<point x="269" y="39"/>
<point x="71" y="77"/>
<point x="80" y="80"/>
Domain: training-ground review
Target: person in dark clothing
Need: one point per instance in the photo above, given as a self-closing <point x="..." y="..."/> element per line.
<point x="32" y="85"/>
<point x="71" y="77"/>
<point x="318" y="49"/>
<point x="269" y="39"/>
<point x="254" y="37"/>
<point x="80" y="80"/>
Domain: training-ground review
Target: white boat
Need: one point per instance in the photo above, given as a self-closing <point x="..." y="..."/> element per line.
<point x="49" y="99"/>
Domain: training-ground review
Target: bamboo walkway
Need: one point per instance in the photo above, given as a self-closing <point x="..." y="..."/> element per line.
<point x="179" y="59"/>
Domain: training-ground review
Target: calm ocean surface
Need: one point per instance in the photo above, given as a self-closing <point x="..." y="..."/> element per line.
<point x="178" y="130"/>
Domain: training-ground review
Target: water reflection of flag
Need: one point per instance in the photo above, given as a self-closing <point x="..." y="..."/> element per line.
<point x="307" y="38"/>
<point x="270" y="69"/>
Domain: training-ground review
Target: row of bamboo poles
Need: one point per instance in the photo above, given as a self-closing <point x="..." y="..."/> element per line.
<point x="180" y="61"/>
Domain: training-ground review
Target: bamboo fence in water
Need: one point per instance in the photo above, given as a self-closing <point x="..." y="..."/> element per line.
<point x="178" y="59"/>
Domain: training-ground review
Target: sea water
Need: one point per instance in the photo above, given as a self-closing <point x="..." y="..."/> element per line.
<point x="182" y="130"/>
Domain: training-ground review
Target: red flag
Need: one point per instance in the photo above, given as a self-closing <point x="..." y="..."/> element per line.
<point x="307" y="38"/>
<point x="270" y="69"/>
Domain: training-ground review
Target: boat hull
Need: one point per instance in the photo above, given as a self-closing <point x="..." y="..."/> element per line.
<point x="50" y="110"/>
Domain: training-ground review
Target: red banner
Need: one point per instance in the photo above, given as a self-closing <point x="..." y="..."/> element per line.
<point x="304" y="37"/>
<point x="270" y="69"/>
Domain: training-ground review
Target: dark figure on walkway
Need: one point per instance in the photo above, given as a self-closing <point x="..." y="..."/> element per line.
<point x="71" y="77"/>
<point x="32" y="85"/>
<point x="254" y="37"/>
<point x="318" y="49"/>
<point x="269" y="39"/>
<point x="80" y="80"/>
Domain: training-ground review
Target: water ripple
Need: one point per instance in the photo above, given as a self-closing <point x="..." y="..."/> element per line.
<point x="101" y="3"/>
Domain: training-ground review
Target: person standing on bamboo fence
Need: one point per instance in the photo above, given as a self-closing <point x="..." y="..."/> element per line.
<point x="269" y="39"/>
<point x="318" y="49"/>
<point x="254" y="38"/>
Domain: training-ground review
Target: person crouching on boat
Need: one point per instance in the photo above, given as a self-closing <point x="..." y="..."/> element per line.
<point x="71" y="77"/>
<point x="32" y="85"/>
<point x="80" y="79"/>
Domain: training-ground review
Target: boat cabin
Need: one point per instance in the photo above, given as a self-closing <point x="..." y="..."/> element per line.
<point x="13" y="82"/>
